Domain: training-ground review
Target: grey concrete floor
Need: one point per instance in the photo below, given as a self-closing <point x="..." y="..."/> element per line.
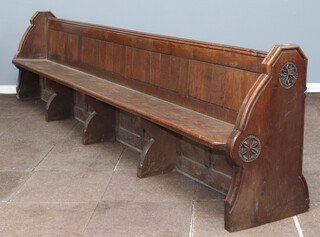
<point x="52" y="185"/>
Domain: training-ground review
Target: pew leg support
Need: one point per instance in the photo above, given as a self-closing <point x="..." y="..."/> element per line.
<point x="159" y="153"/>
<point x="60" y="103"/>
<point x="257" y="197"/>
<point x="28" y="86"/>
<point x="101" y="123"/>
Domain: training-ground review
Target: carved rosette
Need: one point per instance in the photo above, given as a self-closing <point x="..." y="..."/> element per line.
<point x="250" y="148"/>
<point x="288" y="75"/>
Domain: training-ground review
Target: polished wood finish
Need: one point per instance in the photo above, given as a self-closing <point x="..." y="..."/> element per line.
<point x="228" y="99"/>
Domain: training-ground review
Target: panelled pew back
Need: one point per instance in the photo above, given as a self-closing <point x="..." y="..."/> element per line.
<point x="209" y="78"/>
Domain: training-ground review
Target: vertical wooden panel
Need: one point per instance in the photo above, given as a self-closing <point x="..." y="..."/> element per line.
<point x="155" y="60"/>
<point x="90" y="51"/>
<point x="72" y="42"/>
<point x="199" y="80"/>
<point x="55" y="48"/>
<point x="64" y="45"/>
<point x="219" y="162"/>
<point x="130" y="122"/>
<point x="51" y="45"/>
<point x="174" y="75"/>
<point x="60" y="44"/>
<point x="207" y="82"/>
<point x="238" y="84"/>
<point x="141" y="65"/>
<point x="170" y="73"/>
<point x="204" y="164"/>
<point x="184" y="76"/>
<point x="233" y="90"/>
<point x="106" y="56"/>
<point x="164" y="71"/>
<point x="117" y="57"/>
<point x="218" y="85"/>
<point x="128" y="62"/>
<point x="194" y="151"/>
<point x="248" y="80"/>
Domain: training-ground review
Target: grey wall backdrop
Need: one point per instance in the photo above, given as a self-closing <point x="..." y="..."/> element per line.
<point x="253" y="24"/>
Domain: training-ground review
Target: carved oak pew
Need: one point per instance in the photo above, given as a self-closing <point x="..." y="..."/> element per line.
<point x="249" y="104"/>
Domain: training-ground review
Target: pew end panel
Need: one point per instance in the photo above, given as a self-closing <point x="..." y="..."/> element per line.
<point x="33" y="45"/>
<point x="266" y="145"/>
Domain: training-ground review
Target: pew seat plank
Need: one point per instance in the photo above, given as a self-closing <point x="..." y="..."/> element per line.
<point x="194" y="125"/>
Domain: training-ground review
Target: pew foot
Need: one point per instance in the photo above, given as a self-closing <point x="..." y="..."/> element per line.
<point x="159" y="153"/>
<point x="100" y="125"/>
<point x="60" y="103"/>
<point x="248" y="201"/>
<point x="28" y="86"/>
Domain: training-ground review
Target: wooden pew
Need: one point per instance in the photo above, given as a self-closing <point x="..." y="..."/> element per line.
<point x="246" y="103"/>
